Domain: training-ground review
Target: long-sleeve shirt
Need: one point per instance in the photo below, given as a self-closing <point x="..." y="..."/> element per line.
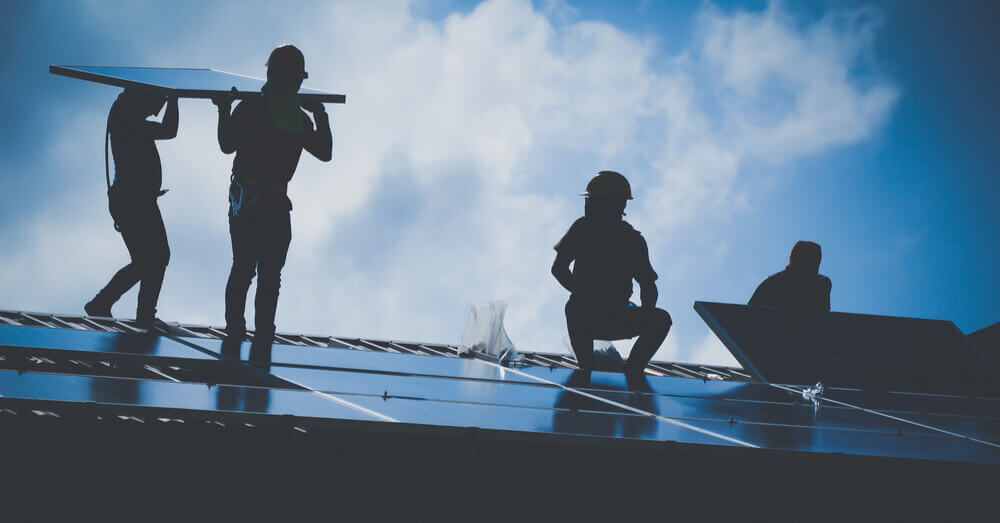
<point x="266" y="157"/>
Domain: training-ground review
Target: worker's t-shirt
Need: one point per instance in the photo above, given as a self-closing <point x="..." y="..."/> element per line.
<point x="794" y="290"/>
<point x="266" y="157"/>
<point x="606" y="260"/>
<point x="137" y="162"/>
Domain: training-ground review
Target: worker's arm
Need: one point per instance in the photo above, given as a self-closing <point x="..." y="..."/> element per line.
<point x="828" y="286"/>
<point x="645" y="275"/>
<point x="648" y="294"/>
<point x="166" y="129"/>
<point x="319" y="143"/>
<point x="763" y="295"/>
<point x="225" y="132"/>
<point x="560" y="269"/>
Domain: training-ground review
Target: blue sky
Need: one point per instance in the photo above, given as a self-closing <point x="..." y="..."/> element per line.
<point x="470" y="127"/>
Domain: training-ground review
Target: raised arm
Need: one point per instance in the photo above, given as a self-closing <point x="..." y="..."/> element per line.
<point x="318" y="142"/>
<point x="225" y="131"/>
<point x="166" y="129"/>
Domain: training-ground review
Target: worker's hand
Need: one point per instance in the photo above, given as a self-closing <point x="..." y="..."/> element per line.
<point x="311" y="105"/>
<point x="225" y="101"/>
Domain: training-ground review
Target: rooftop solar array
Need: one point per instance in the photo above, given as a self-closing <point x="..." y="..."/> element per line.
<point x="539" y="359"/>
<point x="315" y="384"/>
<point x="181" y="82"/>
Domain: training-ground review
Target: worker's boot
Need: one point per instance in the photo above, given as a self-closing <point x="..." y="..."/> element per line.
<point x="260" y="350"/>
<point x="232" y="343"/>
<point x="98" y="307"/>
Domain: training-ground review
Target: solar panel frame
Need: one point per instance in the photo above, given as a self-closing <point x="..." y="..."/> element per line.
<point x="795" y="346"/>
<point x="80" y="72"/>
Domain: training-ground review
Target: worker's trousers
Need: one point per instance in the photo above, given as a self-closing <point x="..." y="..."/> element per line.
<point x="587" y="323"/>
<point x="138" y="219"/>
<point x="260" y="238"/>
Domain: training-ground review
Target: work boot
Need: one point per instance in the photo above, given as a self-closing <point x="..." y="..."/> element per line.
<point x="146" y="323"/>
<point x="231" y="346"/>
<point x="637" y="381"/>
<point x="95" y="308"/>
<point x="260" y="351"/>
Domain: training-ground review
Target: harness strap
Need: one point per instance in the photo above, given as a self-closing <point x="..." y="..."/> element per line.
<point x="107" y="168"/>
<point x="238" y="200"/>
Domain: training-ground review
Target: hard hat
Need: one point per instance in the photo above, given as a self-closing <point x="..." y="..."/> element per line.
<point x="609" y="184"/>
<point x="288" y="58"/>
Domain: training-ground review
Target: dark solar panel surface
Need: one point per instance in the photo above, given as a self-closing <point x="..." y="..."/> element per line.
<point x="181" y="82"/>
<point x="346" y="384"/>
<point x="90" y="341"/>
<point x="850" y="350"/>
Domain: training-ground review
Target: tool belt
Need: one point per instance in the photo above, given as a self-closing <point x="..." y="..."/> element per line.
<point x="245" y="193"/>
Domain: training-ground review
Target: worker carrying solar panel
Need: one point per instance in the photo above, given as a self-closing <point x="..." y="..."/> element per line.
<point x="800" y="285"/>
<point x="607" y="254"/>
<point x="268" y="134"/>
<point x="132" y="200"/>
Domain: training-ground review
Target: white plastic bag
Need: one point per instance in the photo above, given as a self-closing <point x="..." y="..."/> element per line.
<point x="607" y="357"/>
<point x="485" y="334"/>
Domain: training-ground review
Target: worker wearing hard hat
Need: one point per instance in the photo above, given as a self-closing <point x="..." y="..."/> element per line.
<point x="268" y="134"/>
<point x="607" y="254"/>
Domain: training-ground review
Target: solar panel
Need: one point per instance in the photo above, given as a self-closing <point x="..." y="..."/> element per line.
<point x="334" y="358"/>
<point x="850" y="350"/>
<point x="162" y="394"/>
<point x="100" y="342"/>
<point x="330" y="385"/>
<point x="987" y="340"/>
<point x="182" y="82"/>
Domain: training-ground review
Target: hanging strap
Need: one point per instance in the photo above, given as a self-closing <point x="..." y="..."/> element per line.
<point x="107" y="139"/>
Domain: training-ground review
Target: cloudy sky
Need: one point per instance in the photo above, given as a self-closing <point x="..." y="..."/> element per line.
<point x="471" y="127"/>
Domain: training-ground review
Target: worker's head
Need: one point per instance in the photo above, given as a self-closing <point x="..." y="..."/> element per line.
<point x="143" y="103"/>
<point x="606" y="195"/>
<point x="805" y="257"/>
<point x="286" y="67"/>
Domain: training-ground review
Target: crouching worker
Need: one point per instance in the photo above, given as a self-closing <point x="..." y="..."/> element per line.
<point x="132" y="201"/>
<point x="607" y="254"/>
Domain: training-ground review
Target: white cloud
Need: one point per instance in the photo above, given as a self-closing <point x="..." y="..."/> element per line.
<point x="463" y="144"/>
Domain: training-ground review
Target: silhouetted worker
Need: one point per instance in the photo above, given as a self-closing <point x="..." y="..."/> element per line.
<point x="132" y="200"/>
<point x="800" y="285"/>
<point x="608" y="254"/>
<point x="268" y="134"/>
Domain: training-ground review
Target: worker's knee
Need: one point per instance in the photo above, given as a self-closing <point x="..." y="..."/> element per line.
<point x="269" y="280"/>
<point x="242" y="272"/>
<point x="660" y="320"/>
<point x="154" y="261"/>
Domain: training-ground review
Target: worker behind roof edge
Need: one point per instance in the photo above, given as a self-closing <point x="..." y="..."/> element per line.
<point x="800" y="285"/>
<point x="132" y="200"/>
<point x="268" y="134"/>
<point x="607" y="254"/>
